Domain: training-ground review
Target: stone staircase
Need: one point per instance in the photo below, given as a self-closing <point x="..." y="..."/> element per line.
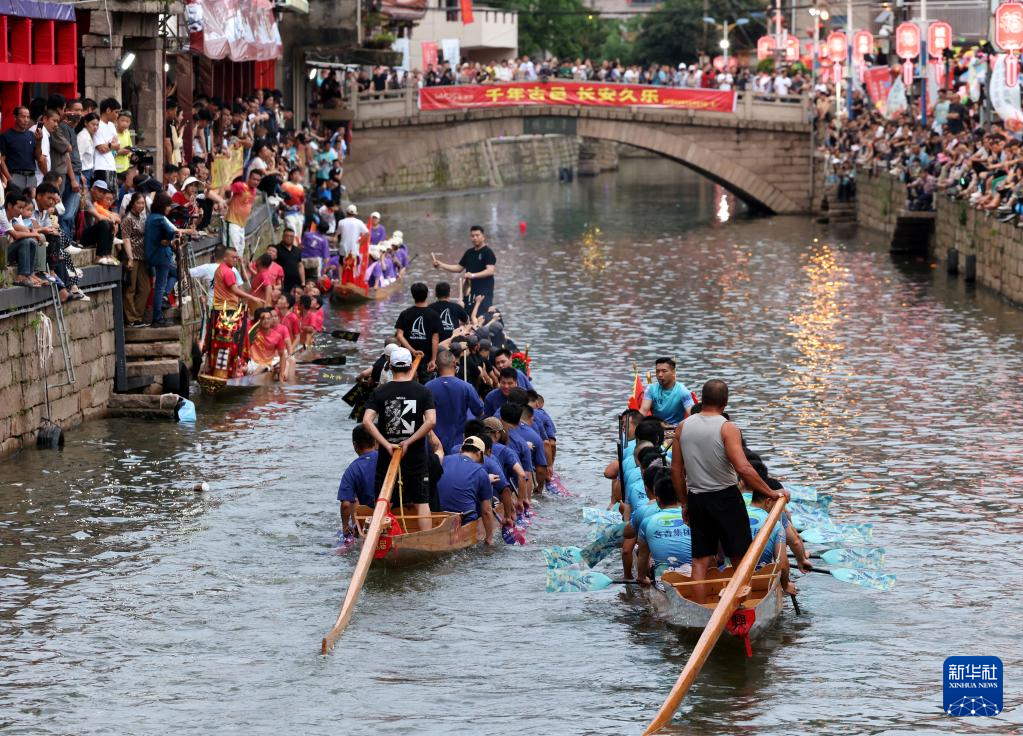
<point x="152" y="352"/>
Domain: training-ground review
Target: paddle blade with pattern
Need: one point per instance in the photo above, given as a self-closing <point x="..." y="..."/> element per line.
<point x="862" y="558"/>
<point x="593" y="515"/>
<point x="576" y="581"/>
<point x="841" y="534"/>
<point x="864" y="578"/>
<point x="604" y="543"/>
<point x="348" y="335"/>
<point x="556" y="557"/>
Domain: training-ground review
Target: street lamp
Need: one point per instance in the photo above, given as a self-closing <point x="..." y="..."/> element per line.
<point x="724" y="43"/>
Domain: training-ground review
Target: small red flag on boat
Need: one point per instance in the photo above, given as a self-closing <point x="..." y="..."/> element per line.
<point x="740" y="624"/>
<point x="466" y="12"/>
<point x="636" y="400"/>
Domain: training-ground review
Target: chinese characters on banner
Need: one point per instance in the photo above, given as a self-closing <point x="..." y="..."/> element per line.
<point x="878" y="81"/>
<point x="575" y="93"/>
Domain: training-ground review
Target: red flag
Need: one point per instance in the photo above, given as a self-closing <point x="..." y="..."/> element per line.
<point x="636" y="400"/>
<point x="466" y="12"/>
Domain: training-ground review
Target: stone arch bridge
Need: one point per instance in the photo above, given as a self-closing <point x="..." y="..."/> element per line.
<point x="761" y="152"/>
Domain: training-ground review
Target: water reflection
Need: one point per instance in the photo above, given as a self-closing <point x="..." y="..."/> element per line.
<point x="888" y="384"/>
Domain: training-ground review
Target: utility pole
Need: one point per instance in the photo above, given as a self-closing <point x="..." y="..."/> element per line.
<point x="849" y="58"/>
<point x="923" y="62"/>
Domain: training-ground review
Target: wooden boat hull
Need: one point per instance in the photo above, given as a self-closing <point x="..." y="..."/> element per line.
<point x="447" y="536"/>
<point x="212" y="385"/>
<point x="672" y="607"/>
<point x="352" y="294"/>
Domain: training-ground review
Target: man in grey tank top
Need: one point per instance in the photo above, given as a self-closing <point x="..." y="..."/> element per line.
<point x="707" y="461"/>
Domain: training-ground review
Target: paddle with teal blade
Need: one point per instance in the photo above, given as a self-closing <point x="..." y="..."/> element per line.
<point x="593" y="515"/>
<point x="841" y="534"/>
<point x="864" y="578"/>
<point x="799" y="492"/>
<point x="577" y="581"/>
<point x="807" y="518"/>
<point x="862" y="558"/>
<point x="562" y="556"/>
<point x="604" y="543"/>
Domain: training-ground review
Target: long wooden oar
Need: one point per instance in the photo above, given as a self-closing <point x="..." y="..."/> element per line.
<point x="369" y="546"/>
<point x="718" y="620"/>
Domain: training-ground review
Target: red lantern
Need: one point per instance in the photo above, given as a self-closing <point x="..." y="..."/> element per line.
<point x="765" y="47"/>
<point x="907" y="40"/>
<point x="939" y="38"/>
<point x="718" y="62"/>
<point x="791" y="49"/>
<point x="1009" y="26"/>
<point x="838" y="47"/>
<point x="907" y="72"/>
<point x="863" y="44"/>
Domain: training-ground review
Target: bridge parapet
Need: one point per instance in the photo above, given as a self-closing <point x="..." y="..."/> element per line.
<point x="402" y="104"/>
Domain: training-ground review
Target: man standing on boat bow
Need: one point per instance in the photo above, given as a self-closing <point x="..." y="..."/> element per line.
<point x="478" y="263"/>
<point x="707" y="461"/>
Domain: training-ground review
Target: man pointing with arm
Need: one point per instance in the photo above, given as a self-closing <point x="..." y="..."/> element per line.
<point x="477" y="263"/>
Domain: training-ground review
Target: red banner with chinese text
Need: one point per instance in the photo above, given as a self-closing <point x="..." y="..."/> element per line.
<point x="878" y="81"/>
<point x="575" y="93"/>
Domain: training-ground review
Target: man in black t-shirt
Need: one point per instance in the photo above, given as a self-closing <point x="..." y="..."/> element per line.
<point x="289" y="258"/>
<point x="450" y="312"/>
<point x="401" y="413"/>
<point x="958" y="116"/>
<point x="478" y="265"/>
<point x="418" y="329"/>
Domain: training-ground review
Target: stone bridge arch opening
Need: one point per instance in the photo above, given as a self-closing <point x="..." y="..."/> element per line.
<point x="764" y="163"/>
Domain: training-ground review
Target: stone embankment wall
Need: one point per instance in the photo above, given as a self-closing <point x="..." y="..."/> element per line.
<point x="491" y="163"/>
<point x="879" y="199"/>
<point x="989" y="249"/>
<point x="90" y="326"/>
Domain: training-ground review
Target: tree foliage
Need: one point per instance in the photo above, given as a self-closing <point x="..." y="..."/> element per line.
<point x="563" y="28"/>
<point x="675" y="31"/>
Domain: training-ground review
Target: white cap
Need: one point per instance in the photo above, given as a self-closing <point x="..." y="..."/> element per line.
<point x="390" y="348"/>
<point x="401" y="358"/>
<point x="352" y="210"/>
<point x="190" y="180"/>
<point x="397" y="238"/>
<point x="375" y="214"/>
<point x="100" y="184"/>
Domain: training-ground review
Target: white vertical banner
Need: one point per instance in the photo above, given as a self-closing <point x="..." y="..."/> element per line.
<point x="451" y="48"/>
<point x="402" y="45"/>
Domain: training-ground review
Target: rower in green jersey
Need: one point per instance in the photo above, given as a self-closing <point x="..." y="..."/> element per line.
<point x="664" y="537"/>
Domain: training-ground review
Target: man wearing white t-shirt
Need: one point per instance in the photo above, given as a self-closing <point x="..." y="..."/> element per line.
<point x="351" y="229"/>
<point x="106" y="142"/>
<point x="782" y="84"/>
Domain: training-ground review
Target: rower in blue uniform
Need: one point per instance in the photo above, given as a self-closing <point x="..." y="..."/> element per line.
<point x="665" y="541"/>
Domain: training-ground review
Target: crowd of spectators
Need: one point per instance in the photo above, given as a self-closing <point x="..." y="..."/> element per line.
<point x="71" y="178"/>
<point x="952" y="155"/>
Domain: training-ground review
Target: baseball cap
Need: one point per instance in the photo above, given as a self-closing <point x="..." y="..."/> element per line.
<point x="401" y="358"/>
<point x="390" y="347"/>
<point x="352" y="210"/>
<point x="100" y="184"/>
<point x="190" y="180"/>
<point x="474" y="443"/>
<point x="493" y="423"/>
<point x="375" y="214"/>
<point x="472" y="340"/>
<point x="485" y="344"/>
